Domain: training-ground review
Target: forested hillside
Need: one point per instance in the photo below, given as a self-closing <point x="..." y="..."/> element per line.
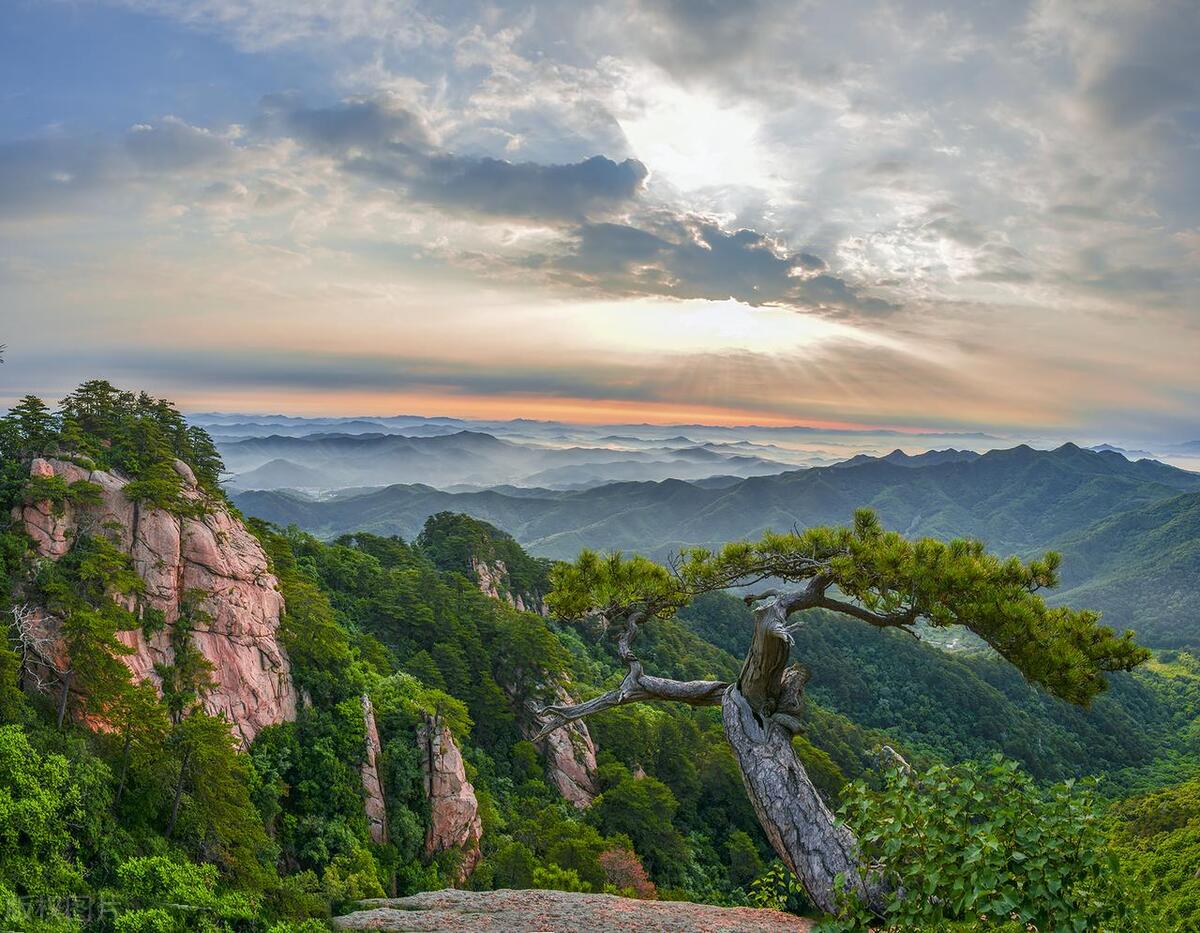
<point x="168" y="808"/>
<point x="140" y="791"/>
<point x="1141" y="566"/>
<point x="1015" y="500"/>
<point x="1129" y="536"/>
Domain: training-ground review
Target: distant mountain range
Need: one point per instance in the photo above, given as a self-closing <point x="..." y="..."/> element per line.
<point x="929" y="458"/>
<point x="323" y="454"/>
<point x="1124" y="452"/>
<point x="470" y="458"/>
<point x="1127" y="528"/>
<point x="328" y="453"/>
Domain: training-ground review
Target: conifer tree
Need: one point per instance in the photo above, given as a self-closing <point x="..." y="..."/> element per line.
<point x="861" y="573"/>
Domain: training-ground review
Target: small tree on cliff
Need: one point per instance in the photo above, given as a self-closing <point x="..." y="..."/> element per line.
<point x="87" y="589"/>
<point x="862" y="573"/>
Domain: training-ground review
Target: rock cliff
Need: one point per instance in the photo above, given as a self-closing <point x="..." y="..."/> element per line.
<point x="569" y="752"/>
<point x="493" y="579"/>
<point x="213" y="553"/>
<point x="454" y="818"/>
<point x="373" y="799"/>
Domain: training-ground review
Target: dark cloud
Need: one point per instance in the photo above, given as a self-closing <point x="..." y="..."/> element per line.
<point x="370" y="125"/>
<point x="753" y="46"/>
<point x="685" y="256"/>
<point x="571" y="192"/>
<point x="647" y="253"/>
<point x="390" y="145"/>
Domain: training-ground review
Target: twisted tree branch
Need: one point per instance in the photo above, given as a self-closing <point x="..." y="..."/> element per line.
<point x="637" y="686"/>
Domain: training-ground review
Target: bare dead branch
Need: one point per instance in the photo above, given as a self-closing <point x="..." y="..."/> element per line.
<point x="37" y="649"/>
<point x="644" y="689"/>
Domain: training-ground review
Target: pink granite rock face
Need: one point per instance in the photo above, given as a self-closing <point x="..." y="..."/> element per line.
<point x="373" y="802"/>
<point x="493" y="581"/>
<point x="569" y="752"/>
<point x="454" y="821"/>
<point x="214" y="554"/>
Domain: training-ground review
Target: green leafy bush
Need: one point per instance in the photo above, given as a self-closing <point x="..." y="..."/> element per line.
<point x="983" y="840"/>
<point x="157" y="894"/>
<point x="776" y="888"/>
<point x="39" y="804"/>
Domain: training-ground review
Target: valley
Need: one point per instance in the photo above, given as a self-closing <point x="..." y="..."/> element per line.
<point x="397" y="741"/>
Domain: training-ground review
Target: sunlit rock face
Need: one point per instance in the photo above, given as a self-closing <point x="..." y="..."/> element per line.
<point x="569" y="752"/>
<point x="493" y="580"/>
<point x="213" y="554"/>
<point x="454" y="811"/>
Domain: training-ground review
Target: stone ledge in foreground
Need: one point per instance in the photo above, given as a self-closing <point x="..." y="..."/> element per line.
<point x="507" y="911"/>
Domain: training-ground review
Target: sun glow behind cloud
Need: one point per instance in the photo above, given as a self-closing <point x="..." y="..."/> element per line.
<point x="692" y="139"/>
<point x="985" y="218"/>
<point x="670" y="327"/>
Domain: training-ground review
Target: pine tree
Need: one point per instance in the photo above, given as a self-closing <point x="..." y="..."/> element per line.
<point x="862" y="573"/>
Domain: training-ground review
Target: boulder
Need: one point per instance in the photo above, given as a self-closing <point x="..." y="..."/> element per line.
<point x="451" y="911"/>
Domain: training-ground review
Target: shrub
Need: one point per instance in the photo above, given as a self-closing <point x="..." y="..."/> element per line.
<point x="974" y="840"/>
<point x="624" y="871"/>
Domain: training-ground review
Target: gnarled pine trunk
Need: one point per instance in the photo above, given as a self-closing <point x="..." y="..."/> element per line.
<point x="759" y="715"/>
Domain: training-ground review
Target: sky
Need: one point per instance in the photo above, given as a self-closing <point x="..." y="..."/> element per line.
<point x="957" y="216"/>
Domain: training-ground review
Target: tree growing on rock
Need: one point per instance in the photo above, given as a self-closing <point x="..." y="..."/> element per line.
<point x="862" y="573"/>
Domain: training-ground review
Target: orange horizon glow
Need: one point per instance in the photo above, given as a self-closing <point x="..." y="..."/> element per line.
<point x="533" y="408"/>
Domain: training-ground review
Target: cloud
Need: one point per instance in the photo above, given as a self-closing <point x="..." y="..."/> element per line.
<point x="356" y="125"/>
<point x="39" y="175"/>
<point x="573" y="192"/>
<point x="60" y="172"/>
<point x="689" y="256"/>
<point x="173" y="145"/>
<point x="868" y="380"/>
<point x="384" y="142"/>
<point x="757" y="47"/>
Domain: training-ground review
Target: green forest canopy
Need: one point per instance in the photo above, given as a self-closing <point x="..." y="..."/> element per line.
<point x="279" y="831"/>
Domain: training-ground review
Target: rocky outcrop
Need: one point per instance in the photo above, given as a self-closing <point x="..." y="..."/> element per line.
<point x="454" y="811"/>
<point x="452" y="911"/>
<point x="213" y="554"/>
<point x="569" y="752"/>
<point x="373" y="802"/>
<point x="493" y="579"/>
